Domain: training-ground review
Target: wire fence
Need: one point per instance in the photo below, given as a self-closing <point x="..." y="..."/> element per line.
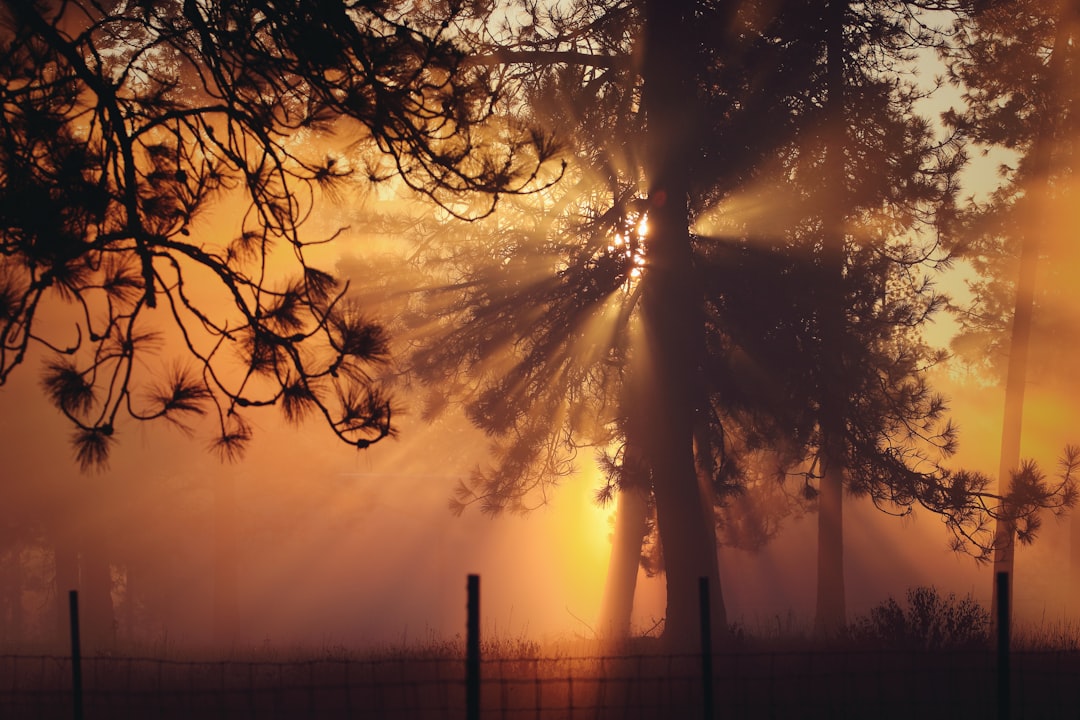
<point x="804" y="684"/>
<point x="818" y="683"/>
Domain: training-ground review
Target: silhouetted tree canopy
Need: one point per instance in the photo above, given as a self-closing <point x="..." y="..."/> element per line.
<point x="564" y="257"/>
<point x="1018" y="67"/>
<point x="123" y="123"/>
<point x="534" y="311"/>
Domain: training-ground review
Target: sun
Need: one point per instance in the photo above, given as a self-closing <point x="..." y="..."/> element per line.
<point x="628" y="245"/>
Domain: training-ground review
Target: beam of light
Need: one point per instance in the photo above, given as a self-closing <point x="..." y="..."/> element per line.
<point x="767" y="208"/>
<point x="544" y="275"/>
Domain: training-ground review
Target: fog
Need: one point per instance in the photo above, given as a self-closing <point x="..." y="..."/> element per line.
<point x="309" y="543"/>
<point x="333" y="547"/>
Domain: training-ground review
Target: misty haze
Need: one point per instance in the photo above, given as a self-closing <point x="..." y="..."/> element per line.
<point x="549" y="359"/>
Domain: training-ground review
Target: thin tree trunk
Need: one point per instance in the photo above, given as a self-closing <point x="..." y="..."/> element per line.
<point x="1072" y="597"/>
<point x="12" y="578"/>
<point x="1012" y="421"/>
<point x="831" y="614"/>
<point x="1020" y="340"/>
<point x="631" y="513"/>
<point x="1072" y="132"/>
<point x="98" y="621"/>
<point x="127" y="619"/>
<point x="673" y="327"/>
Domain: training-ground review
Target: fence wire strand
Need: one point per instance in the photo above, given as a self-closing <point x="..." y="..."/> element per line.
<point x="809" y="684"/>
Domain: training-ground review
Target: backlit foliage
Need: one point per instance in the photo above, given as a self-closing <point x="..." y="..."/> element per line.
<point x="930" y="621"/>
<point x="526" y="327"/>
<point x="121" y="122"/>
<point x="1018" y="66"/>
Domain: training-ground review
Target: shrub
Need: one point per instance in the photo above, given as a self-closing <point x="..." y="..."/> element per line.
<point x="930" y="621"/>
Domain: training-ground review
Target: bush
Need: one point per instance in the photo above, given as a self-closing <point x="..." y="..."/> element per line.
<point x="930" y="622"/>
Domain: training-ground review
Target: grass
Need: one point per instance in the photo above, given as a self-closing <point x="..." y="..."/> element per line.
<point x="774" y="670"/>
<point x="1057" y="636"/>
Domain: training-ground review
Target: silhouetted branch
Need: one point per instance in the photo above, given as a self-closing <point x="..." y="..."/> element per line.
<point x="122" y="123"/>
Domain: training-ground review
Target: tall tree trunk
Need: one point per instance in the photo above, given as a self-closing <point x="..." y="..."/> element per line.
<point x="631" y="515"/>
<point x="705" y="467"/>
<point x="831" y="613"/>
<point x="1071" y="135"/>
<point x="1012" y="421"/>
<point x="1020" y="340"/>
<point x="631" y="512"/>
<point x="1072" y="596"/>
<point x="673" y="328"/>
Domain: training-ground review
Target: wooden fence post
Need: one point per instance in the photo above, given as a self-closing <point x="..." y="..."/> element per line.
<point x="76" y="656"/>
<point x="1004" y="616"/>
<point x="472" y="651"/>
<point x="706" y="649"/>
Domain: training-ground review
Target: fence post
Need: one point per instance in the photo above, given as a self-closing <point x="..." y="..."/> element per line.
<point x="76" y="656"/>
<point x="1004" y="615"/>
<point x="472" y="651"/>
<point x="706" y="649"/>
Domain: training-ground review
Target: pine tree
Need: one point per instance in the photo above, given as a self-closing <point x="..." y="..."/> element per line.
<point x="540" y="317"/>
<point x="123" y="123"/>
<point x="1017" y="65"/>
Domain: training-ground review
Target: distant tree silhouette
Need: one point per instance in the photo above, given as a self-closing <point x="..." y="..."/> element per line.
<point x="123" y="123"/>
<point x="872" y="190"/>
<point x="1018" y="64"/>
<point x="877" y="178"/>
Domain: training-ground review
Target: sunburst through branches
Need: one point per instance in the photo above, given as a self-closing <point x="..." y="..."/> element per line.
<point x="627" y="246"/>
